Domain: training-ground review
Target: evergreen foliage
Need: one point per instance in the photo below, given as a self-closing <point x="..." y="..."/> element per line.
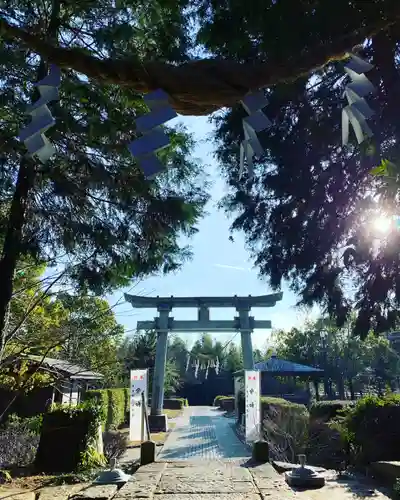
<point x="89" y="208"/>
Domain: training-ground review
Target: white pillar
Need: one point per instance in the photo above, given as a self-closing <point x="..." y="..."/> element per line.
<point x="157" y="397"/>
<point x="245" y="333"/>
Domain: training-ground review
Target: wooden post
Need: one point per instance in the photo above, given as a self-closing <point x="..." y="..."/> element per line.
<point x="146" y="418"/>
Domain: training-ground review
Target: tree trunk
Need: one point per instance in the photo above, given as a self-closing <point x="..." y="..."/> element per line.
<point x="12" y="242"/>
<point x="340" y="386"/>
<point x="14" y="235"/>
<point x="316" y="389"/>
<point x="351" y="389"/>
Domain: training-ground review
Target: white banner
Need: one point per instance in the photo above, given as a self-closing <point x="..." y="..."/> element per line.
<point x="138" y="386"/>
<point x="253" y="407"/>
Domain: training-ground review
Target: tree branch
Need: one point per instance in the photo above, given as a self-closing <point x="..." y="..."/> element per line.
<point x="200" y="87"/>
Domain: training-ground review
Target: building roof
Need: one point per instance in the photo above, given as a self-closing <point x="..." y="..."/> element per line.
<point x="284" y="367"/>
<point x="72" y="371"/>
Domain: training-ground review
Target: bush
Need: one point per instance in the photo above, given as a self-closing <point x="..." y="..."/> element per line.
<point x="284" y="427"/>
<point x="370" y="429"/>
<point x="116" y="408"/>
<point x="217" y="400"/>
<point x="68" y="441"/>
<point x="28" y="424"/>
<point x="19" y="441"/>
<point x="241" y="406"/>
<point x="100" y="397"/>
<point x="114" y="444"/>
<point x="227" y="403"/>
<point x="127" y="401"/>
<point x="175" y="403"/>
<point x="328" y="410"/>
<point x="325" y="446"/>
<point x="224" y="402"/>
<point x="114" y="404"/>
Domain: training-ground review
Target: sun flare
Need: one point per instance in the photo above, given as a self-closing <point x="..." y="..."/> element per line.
<point x="382" y="224"/>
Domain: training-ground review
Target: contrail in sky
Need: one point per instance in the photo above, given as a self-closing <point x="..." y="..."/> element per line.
<point x="235" y="268"/>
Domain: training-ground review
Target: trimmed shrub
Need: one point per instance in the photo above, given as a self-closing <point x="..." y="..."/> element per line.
<point x="241" y="406"/>
<point x="100" y="396"/>
<point x="284" y="427"/>
<point x="116" y="408"/>
<point x="68" y="441"/>
<point x="217" y="400"/>
<point x="127" y="404"/>
<point x="114" y="405"/>
<point x="327" y="410"/>
<point x="370" y="429"/>
<point x="175" y="403"/>
<point x="226" y="403"/>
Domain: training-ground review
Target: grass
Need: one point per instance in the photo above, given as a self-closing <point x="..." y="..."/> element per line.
<point x="158" y="437"/>
<point x="173" y="413"/>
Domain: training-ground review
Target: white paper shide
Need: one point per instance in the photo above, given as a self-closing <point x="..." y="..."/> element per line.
<point x="252" y="403"/>
<point x="139" y="385"/>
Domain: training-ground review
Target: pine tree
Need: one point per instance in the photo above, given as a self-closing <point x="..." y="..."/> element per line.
<point x="308" y="215"/>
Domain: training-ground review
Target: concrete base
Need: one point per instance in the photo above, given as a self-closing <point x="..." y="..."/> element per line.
<point x="158" y="423"/>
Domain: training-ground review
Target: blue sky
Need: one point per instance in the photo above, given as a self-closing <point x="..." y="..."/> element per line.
<point x="219" y="266"/>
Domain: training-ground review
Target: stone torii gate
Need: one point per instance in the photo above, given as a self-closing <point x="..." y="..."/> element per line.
<point x="164" y="323"/>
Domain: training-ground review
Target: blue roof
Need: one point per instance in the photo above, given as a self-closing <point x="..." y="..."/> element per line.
<point x="276" y="365"/>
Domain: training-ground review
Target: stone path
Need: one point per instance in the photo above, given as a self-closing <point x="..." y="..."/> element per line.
<point x="216" y="480"/>
<point x="203" y="433"/>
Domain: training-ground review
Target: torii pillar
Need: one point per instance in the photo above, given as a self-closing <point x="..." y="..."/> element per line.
<point x="158" y="420"/>
<point x="245" y="333"/>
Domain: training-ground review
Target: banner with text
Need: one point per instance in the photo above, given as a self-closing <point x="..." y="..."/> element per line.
<point x="139" y="382"/>
<point x="253" y="407"/>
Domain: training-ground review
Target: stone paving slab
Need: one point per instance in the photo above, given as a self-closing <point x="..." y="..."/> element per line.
<point x="214" y="472"/>
<point x="132" y="490"/>
<point x="96" y="492"/>
<point x="62" y="492"/>
<point x="265" y="471"/>
<point x="212" y="496"/>
<point x="176" y="486"/>
<point x="10" y="494"/>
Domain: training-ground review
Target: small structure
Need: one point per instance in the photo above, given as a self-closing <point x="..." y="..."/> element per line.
<point x="71" y="381"/>
<point x="290" y="390"/>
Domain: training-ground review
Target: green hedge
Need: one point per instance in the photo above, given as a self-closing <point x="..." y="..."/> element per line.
<point x="371" y="429"/>
<point x="284" y="427"/>
<point x="127" y="407"/>
<point x="175" y="403"/>
<point x="100" y="396"/>
<point x="327" y="410"/>
<point x="114" y="405"/>
<point x="226" y="403"/>
<point x="68" y="440"/>
<point x="116" y="408"/>
<point x="218" y="400"/>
